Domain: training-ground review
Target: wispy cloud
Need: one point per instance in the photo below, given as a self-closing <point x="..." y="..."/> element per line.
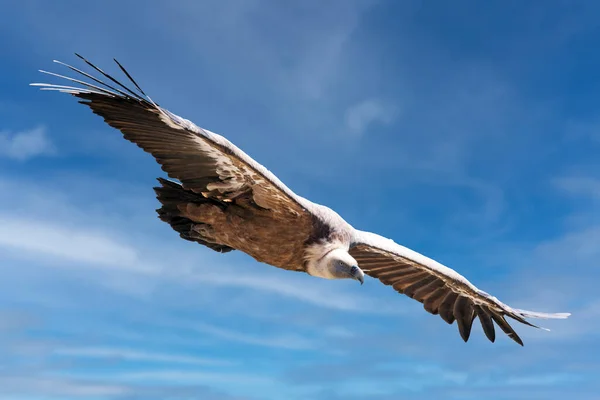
<point x="578" y="129"/>
<point x="361" y="116"/>
<point x="338" y="332"/>
<point x="542" y="380"/>
<point x="24" y="145"/>
<point x="321" y="57"/>
<point x="32" y="234"/>
<point x="191" y="377"/>
<point x="303" y="288"/>
<point x="68" y="243"/>
<point x="48" y="241"/>
<point x="586" y="186"/>
<point x="125" y="354"/>
<point x="577" y="249"/>
<point x="293" y="342"/>
<point x="36" y="386"/>
<point x="176" y="385"/>
<point x="14" y="321"/>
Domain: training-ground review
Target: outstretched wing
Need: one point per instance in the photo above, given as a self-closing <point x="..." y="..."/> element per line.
<point x="442" y="290"/>
<point x="204" y="162"/>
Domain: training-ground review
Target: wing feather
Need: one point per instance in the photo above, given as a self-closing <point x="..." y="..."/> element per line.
<point x="486" y="322"/>
<point x="203" y="161"/>
<point x="447" y="307"/>
<point x="434" y="299"/>
<point x="441" y="290"/>
<point x="464" y="314"/>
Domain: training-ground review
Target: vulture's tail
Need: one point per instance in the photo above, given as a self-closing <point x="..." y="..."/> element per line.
<point x="171" y="194"/>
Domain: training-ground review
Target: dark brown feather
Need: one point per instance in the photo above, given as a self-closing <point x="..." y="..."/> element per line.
<point x="170" y="195"/>
<point x="486" y="322"/>
<point x="390" y="277"/>
<point x="423" y="293"/>
<point x="408" y="280"/>
<point x="412" y="289"/>
<point x="446" y="308"/>
<point x="506" y="328"/>
<point x="433" y="302"/>
<point x="464" y="314"/>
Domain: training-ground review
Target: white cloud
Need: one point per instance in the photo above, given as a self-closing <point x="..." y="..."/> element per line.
<point x="579" y="186"/>
<point x="32" y="236"/>
<point x="542" y="380"/>
<point x="583" y="129"/>
<point x="134" y="355"/>
<point x="48" y="241"/>
<point x="304" y="288"/>
<point x="36" y="239"/>
<point x="360" y="116"/>
<point x="13" y="321"/>
<point x="558" y="275"/>
<point x="583" y="324"/>
<point x="577" y="250"/>
<point x="63" y="243"/>
<point x="292" y="342"/>
<point x="338" y="332"/>
<point x="191" y="377"/>
<point x="303" y="60"/>
<point x="320" y="59"/>
<point x="27" y="144"/>
<point x="21" y="385"/>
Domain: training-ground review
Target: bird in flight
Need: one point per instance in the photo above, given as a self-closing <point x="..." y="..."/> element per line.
<point x="225" y="200"/>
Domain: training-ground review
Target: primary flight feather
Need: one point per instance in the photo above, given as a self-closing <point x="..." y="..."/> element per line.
<point x="226" y="201"/>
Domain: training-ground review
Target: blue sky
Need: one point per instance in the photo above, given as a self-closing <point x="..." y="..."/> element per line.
<point x="468" y="131"/>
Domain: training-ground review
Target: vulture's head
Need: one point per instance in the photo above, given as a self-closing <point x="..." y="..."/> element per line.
<point x="341" y="265"/>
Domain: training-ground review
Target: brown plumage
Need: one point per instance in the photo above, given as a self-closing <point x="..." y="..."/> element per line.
<point x="226" y="201"/>
<point x="223" y="202"/>
<point x="439" y="294"/>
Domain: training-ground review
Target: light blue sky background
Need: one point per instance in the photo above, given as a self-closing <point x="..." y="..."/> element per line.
<point x="466" y="130"/>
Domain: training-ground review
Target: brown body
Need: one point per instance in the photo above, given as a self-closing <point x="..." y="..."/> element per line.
<point x="247" y="228"/>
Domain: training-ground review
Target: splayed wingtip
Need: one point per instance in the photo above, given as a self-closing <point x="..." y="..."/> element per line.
<point x="542" y="315"/>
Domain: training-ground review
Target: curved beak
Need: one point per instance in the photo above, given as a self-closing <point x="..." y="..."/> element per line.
<point x="357" y="274"/>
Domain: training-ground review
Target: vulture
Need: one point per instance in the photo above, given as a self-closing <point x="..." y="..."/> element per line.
<point x="221" y="198"/>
